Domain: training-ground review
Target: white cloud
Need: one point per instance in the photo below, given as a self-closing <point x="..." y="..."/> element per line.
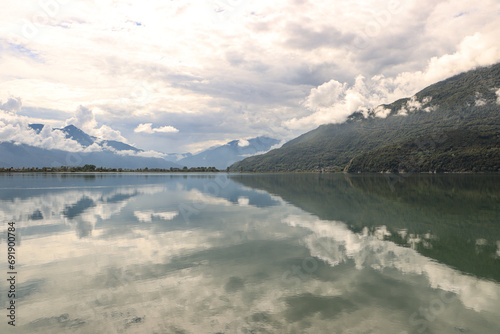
<point x="93" y="148"/>
<point x="413" y="105"/>
<point x="147" y="216"/>
<point x="243" y="143"/>
<point x="84" y="119"/>
<point x="331" y="102"/>
<point x="13" y="105"/>
<point x="381" y="112"/>
<point x="147" y="128"/>
<point x="243" y="201"/>
<point x="480" y="102"/>
<point x="166" y="215"/>
<point x="15" y="128"/>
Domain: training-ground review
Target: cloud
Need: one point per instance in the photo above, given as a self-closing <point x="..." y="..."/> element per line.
<point x="243" y="143"/>
<point x="13" y="105"/>
<point x="147" y="128"/>
<point x="413" y="105"/>
<point x="480" y="100"/>
<point x="498" y="96"/>
<point x="147" y="216"/>
<point x="84" y="119"/>
<point x="15" y="128"/>
<point x="144" y="154"/>
<point x="333" y="102"/>
<point x="381" y="112"/>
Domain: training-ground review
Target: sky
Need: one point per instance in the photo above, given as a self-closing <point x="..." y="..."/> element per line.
<point x="181" y="76"/>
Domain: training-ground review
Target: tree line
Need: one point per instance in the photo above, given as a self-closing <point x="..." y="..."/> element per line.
<point x="95" y="169"/>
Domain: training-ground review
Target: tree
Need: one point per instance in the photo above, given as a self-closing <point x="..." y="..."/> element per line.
<point x="89" y="168"/>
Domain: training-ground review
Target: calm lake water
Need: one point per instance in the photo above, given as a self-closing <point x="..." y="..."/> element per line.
<point x="271" y="253"/>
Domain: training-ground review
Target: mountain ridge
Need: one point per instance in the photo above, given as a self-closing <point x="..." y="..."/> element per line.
<point x="112" y="153"/>
<point x="116" y="154"/>
<point x="467" y="101"/>
<point x="223" y="156"/>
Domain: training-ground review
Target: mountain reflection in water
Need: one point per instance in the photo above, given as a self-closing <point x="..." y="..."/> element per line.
<point x="271" y="253"/>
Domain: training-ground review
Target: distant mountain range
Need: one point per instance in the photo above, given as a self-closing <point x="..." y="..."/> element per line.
<point x="72" y="132"/>
<point x="116" y="154"/>
<point x="18" y="156"/>
<point x="450" y="126"/>
<point x="223" y="156"/>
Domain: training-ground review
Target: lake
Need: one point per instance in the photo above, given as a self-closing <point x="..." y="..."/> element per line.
<point x="251" y="253"/>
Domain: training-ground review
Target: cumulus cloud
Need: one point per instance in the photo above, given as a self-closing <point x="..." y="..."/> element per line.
<point x="148" y="128"/>
<point x="84" y="119"/>
<point x="15" y="128"/>
<point x="12" y="105"/>
<point x="333" y="102"/>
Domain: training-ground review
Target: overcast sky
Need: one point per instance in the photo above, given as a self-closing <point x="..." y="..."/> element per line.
<point x="181" y="75"/>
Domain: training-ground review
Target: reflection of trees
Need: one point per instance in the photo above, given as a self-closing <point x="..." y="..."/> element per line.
<point x="456" y="209"/>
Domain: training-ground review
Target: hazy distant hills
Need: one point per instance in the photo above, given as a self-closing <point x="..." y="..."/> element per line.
<point x="451" y="126"/>
<point x="223" y="156"/>
<point x="116" y="154"/>
<point x="19" y="156"/>
<point x="111" y="155"/>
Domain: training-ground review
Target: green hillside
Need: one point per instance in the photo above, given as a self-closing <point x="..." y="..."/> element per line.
<point x="455" y="129"/>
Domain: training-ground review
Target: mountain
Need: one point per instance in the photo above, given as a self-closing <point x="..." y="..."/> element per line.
<point x="223" y="156"/>
<point x="36" y="127"/>
<point x="451" y="126"/>
<point x="18" y="156"/>
<point x="72" y="132"/>
<point x="119" y="146"/>
<point x="116" y="154"/>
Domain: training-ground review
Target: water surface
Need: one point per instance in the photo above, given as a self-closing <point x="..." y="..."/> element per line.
<point x="250" y="253"/>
